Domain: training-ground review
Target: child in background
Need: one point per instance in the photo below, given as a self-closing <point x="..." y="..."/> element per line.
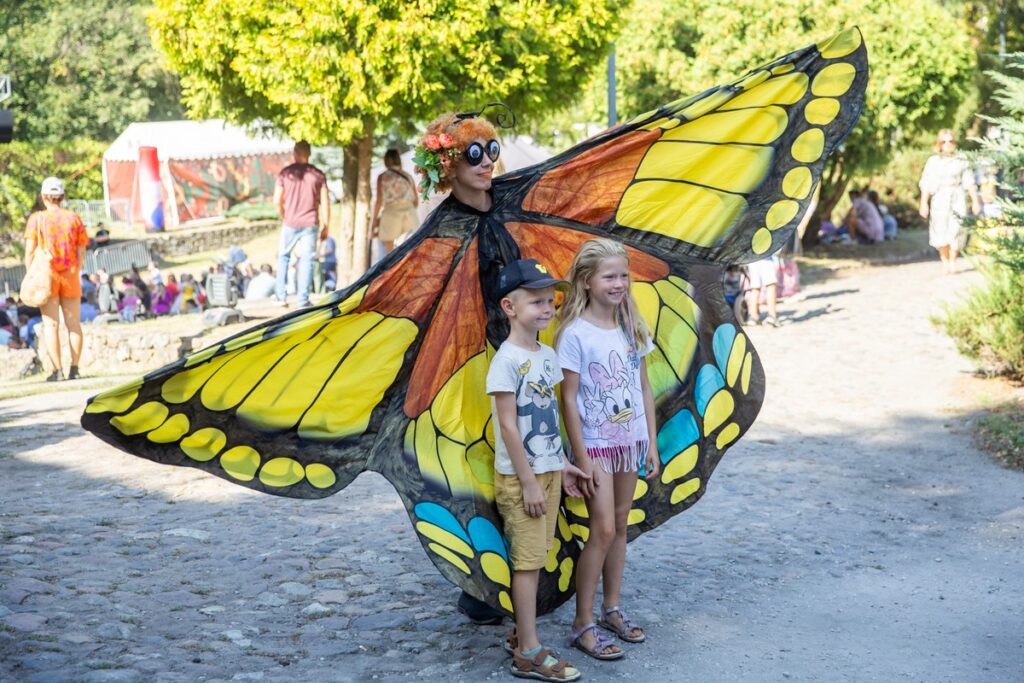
<point x="609" y="418"/>
<point x="9" y="333"/>
<point x="529" y="464"/>
<point x="130" y="301"/>
<point x="162" y="300"/>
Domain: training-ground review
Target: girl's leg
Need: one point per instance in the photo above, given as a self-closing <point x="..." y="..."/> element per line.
<point x="754" y="304"/>
<point x="615" y="562"/>
<point x="944" y="255"/>
<point x="953" y="254"/>
<point x="601" y="511"/>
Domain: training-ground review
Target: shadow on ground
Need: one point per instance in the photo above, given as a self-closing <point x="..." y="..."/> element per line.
<point x="808" y="549"/>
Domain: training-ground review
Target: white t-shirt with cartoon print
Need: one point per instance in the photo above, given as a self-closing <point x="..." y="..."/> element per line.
<point x="531" y="376"/>
<point x="610" y="398"/>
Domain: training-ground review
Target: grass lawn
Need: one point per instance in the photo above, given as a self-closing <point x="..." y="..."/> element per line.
<point x="1001" y="433"/>
<point x="261" y="250"/>
<point x="912" y="245"/>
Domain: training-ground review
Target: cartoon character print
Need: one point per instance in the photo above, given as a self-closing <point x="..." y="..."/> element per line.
<point x="611" y="407"/>
<point x="542" y="411"/>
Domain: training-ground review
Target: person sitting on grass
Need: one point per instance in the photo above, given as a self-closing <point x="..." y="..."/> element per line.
<point x="863" y="220"/>
<point x="102" y="237"/>
<point x="130" y="301"/>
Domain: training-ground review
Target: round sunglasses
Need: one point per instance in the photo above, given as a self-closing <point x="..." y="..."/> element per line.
<point x="475" y="152"/>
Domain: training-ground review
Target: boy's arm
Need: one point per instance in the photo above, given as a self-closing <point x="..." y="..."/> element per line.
<point x="324" y="211"/>
<point x="533" y="496"/>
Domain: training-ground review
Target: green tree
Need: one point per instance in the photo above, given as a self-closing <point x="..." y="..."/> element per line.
<point x="921" y="62"/>
<point x="82" y="69"/>
<point x="336" y="71"/>
<point x="80" y="72"/>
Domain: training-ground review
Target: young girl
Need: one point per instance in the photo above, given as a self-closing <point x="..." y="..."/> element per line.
<point x="609" y="418"/>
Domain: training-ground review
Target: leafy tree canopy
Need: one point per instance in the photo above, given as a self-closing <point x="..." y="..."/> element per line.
<point x="82" y="69"/>
<point x="921" y="59"/>
<point x="323" y="69"/>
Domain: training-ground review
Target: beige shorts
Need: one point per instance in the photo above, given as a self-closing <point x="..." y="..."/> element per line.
<point x="530" y="537"/>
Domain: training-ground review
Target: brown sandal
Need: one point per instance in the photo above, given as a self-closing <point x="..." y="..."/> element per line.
<point x="511" y="644"/>
<point x="535" y="668"/>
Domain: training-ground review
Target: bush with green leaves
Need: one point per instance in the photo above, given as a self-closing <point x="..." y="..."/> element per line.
<point x="989" y="325"/>
<point x="23" y="167"/>
<point x="253" y="212"/>
<point x="921" y="65"/>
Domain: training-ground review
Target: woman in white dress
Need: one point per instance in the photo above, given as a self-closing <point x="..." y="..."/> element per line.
<point x="945" y="183"/>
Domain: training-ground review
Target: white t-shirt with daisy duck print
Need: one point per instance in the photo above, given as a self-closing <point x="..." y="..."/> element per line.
<point x="610" y="398"/>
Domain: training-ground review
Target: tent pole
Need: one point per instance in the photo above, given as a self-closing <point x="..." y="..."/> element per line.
<point x="106" y="191"/>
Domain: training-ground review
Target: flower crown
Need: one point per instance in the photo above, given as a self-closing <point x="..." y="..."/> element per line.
<point x="436" y="154"/>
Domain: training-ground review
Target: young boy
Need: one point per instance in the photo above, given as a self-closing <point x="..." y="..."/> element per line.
<point x="530" y="467"/>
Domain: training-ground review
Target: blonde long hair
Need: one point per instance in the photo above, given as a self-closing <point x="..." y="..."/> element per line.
<point x="588" y="259"/>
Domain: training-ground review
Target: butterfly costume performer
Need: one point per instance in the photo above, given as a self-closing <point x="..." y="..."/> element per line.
<point x="388" y="374"/>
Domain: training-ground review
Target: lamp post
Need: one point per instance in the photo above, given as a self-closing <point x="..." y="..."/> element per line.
<point x="6" y="115"/>
<point x="613" y="115"/>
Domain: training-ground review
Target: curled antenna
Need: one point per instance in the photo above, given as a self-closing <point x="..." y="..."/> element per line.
<point x="504" y="119"/>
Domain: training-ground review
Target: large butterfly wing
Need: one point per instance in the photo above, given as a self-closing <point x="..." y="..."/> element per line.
<point x="721" y="177"/>
<point x="716" y="179"/>
<point x="389" y="376"/>
<point x="297" y="406"/>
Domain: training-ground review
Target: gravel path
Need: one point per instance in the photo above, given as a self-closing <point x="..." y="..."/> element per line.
<point x="854" y="534"/>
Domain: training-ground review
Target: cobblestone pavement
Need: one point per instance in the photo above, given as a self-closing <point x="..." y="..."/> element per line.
<point x="853" y="535"/>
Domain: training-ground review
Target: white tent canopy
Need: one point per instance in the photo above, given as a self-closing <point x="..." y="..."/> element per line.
<point x="204" y="167"/>
<point x="193" y="140"/>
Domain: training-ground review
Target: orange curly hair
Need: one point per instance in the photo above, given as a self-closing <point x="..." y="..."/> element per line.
<point x="464" y="132"/>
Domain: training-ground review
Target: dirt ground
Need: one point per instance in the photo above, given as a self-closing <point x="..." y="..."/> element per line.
<point x="854" y="534"/>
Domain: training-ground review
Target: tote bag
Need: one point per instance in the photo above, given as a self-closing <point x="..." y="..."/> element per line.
<point x="35" y="288"/>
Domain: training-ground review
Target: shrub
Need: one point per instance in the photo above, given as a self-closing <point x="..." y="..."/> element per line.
<point x="988" y="326"/>
<point x="253" y="212"/>
<point x="23" y="167"/>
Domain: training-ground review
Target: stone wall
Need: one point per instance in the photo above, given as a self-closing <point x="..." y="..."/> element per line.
<point x="182" y="242"/>
<point x="13" y="360"/>
<point x="128" y="348"/>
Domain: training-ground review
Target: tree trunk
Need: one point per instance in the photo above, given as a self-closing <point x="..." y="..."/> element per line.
<point x="833" y="184"/>
<point x="361" y="243"/>
<point x="346" y="240"/>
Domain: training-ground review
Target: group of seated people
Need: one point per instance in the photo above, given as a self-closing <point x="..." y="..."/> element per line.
<point x="135" y="297"/>
<point x="16" y="323"/>
<point x="867" y="222"/>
